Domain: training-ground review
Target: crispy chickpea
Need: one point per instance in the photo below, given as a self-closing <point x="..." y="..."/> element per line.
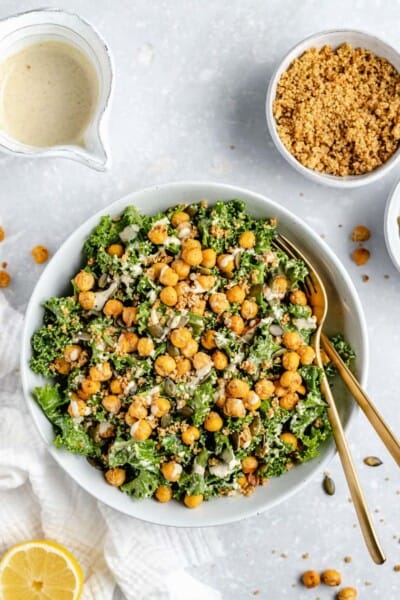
<point x="279" y="285"/>
<point x="115" y="250"/>
<point x="249" y="309"/>
<point x="264" y="388"/>
<point x="226" y="263"/>
<point x="289" y="401"/>
<point x="208" y="339"/>
<point x="361" y="256"/>
<point x="236" y="324"/>
<point x="331" y="577"/>
<point x="220" y="360"/>
<point x="199" y="307"/>
<point x="290" y="439"/>
<point x="290" y="361"/>
<point x="206" y="281"/>
<point x="311" y="579"/>
<point x="181" y="289"/>
<point x="306" y="354"/>
<point x="237" y="388"/>
<point x="168" y="276"/>
<point x="116" y="386"/>
<point x="158" y="234"/>
<point x="89" y="386"/>
<point x="290" y="379"/>
<point x="234" y="407"/>
<point x="192" y="256"/>
<point x="112" y="404"/>
<point x="236" y="294"/>
<point x="190" y="243"/>
<point x="220" y="401"/>
<point x="190" y="435"/>
<point x="168" y="296"/>
<point x="62" y="366"/>
<point x="137" y="409"/>
<point x="249" y="464"/>
<point x="164" y="365"/>
<point x="128" y="342"/>
<point x="292" y="340"/>
<point x="298" y="297"/>
<point x="141" y="430"/>
<point x="218" y="302"/>
<point x="101" y="372"/>
<point x="252" y="401"/>
<point x="193" y="501"/>
<point x="180" y="337"/>
<point x="77" y="408"/>
<point x="213" y="422"/>
<point x="163" y="493"/>
<point x="247" y="240"/>
<point x="84" y="281"/>
<point x="129" y="315"/>
<point x="113" y="308"/>
<point x="171" y="471"/>
<point x="160" y="407"/>
<point x="280" y="391"/>
<point x="209" y="258"/>
<point x="190" y="349"/>
<point x="183" y="366"/>
<point x="360" y="233"/>
<point x="72" y="352"/>
<point x="115" y="477"/>
<point x="40" y="254"/>
<point x="179" y="217"/>
<point x="181" y="268"/>
<point x="347" y="593"/>
<point x="201" y="360"/>
<point x="5" y="279"/>
<point x="145" y="346"/>
<point x="87" y="300"/>
<point x="300" y="389"/>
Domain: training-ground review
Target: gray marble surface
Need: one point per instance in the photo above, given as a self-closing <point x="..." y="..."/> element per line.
<point x="191" y="79"/>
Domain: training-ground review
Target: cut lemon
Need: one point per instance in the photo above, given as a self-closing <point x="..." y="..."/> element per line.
<point x="40" y="570"/>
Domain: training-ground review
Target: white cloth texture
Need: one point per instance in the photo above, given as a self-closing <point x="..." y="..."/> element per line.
<point x="38" y="500"/>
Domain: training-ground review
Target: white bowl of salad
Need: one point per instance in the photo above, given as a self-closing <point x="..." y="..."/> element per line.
<point x="168" y="345"/>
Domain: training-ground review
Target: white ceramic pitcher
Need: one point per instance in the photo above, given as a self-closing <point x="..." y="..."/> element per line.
<point x="23" y="29"/>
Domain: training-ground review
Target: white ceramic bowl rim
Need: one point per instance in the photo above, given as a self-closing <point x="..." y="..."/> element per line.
<point x="68" y="462"/>
<point x="294" y="52"/>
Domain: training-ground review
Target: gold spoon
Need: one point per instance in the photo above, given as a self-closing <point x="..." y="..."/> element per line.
<point x="318" y="301"/>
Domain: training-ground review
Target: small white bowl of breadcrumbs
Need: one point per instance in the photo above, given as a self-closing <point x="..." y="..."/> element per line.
<point x="333" y="108"/>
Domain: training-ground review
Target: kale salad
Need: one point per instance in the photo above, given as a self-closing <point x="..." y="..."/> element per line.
<point x="180" y="363"/>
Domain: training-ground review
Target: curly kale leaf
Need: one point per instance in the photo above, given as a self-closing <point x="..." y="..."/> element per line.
<point x="202" y="400"/>
<point x="142" y="486"/>
<point x="50" y="401"/>
<point x="139" y="455"/>
<point x="345" y="352"/>
<point x="74" y="438"/>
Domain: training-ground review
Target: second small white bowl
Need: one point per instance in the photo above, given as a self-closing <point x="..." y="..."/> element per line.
<point x="334" y="38"/>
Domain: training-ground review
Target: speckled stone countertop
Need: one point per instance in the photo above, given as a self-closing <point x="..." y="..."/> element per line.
<point x="189" y="98"/>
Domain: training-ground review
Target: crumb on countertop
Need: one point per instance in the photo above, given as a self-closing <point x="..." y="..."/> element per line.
<point x="365" y="278"/>
<point x="2" y="234"/>
<point x="360" y="233"/>
<point x="361" y="256"/>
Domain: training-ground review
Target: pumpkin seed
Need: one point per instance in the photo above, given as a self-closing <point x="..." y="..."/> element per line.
<point x="372" y="461"/>
<point x="329" y="485"/>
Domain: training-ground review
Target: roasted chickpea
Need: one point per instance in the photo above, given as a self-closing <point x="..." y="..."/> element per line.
<point x="182" y="289"/>
<point x="180" y="337"/>
<point x="236" y="324"/>
<point x="158" y="234"/>
<point x="190" y="243"/>
<point x="290" y="379"/>
<point x="141" y="430"/>
<point x="192" y="256"/>
<point x="213" y="422"/>
<point x="201" y="360"/>
<point x="218" y="302"/>
<point x="193" y="501"/>
<point x="311" y="579"/>
<point x="190" y="435"/>
<point x="160" y="407"/>
<point x="72" y="352"/>
<point x="190" y="349"/>
<point x="164" y="365"/>
<point x="183" y="366"/>
<point x="84" y="281"/>
<point x="128" y="342"/>
<point x="199" y="307"/>
<point x="280" y="391"/>
<point x="115" y="250"/>
<point x="347" y="593"/>
<point x="331" y="577"/>
<point x="237" y="388"/>
<point x="249" y="309"/>
<point x="208" y="339"/>
<point x="249" y="464"/>
<point x="298" y="297"/>
<point x="220" y="360"/>
<point x="290" y="439"/>
<point x="40" y="254"/>
<point x="89" y="386"/>
<point x="280" y="285"/>
<point x="247" y="239"/>
<point x="168" y="276"/>
<point x="115" y="477"/>
<point x="137" y="409"/>
<point x="78" y="408"/>
<point x="209" y="258"/>
<point x="101" y="372"/>
<point x="306" y="354"/>
<point x="264" y="388"/>
<point x="113" y="308"/>
<point x="163" y="493"/>
<point x="112" y="404"/>
<point x="116" y="386"/>
<point x="206" y="281"/>
<point x="236" y="294"/>
<point x="289" y="401"/>
<point x="168" y="296"/>
<point x="252" y="401"/>
<point x="290" y="361"/>
<point x="179" y="217"/>
<point x="129" y="315"/>
<point x="171" y="471"/>
<point x="62" y="366"/>
<point x="87" y="300"/>
<point x="145" y="346"/>
<point x="234" y="407"/>
<point x="181" y="268"/>
<point x="226" y="263"/>
<point x="292" y="340"/>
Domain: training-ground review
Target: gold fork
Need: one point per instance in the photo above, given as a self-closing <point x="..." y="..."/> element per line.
<point x="318" y="300"/>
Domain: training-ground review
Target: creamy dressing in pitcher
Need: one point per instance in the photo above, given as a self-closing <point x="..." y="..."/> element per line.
<point x="49" y="92"/>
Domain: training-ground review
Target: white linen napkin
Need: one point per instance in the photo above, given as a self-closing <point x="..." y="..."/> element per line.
<point x="38" y="500"/>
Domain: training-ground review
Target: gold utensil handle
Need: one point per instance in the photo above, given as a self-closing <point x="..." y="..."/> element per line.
<point x="360" y="505"/>
<point x="375" y="418"/>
